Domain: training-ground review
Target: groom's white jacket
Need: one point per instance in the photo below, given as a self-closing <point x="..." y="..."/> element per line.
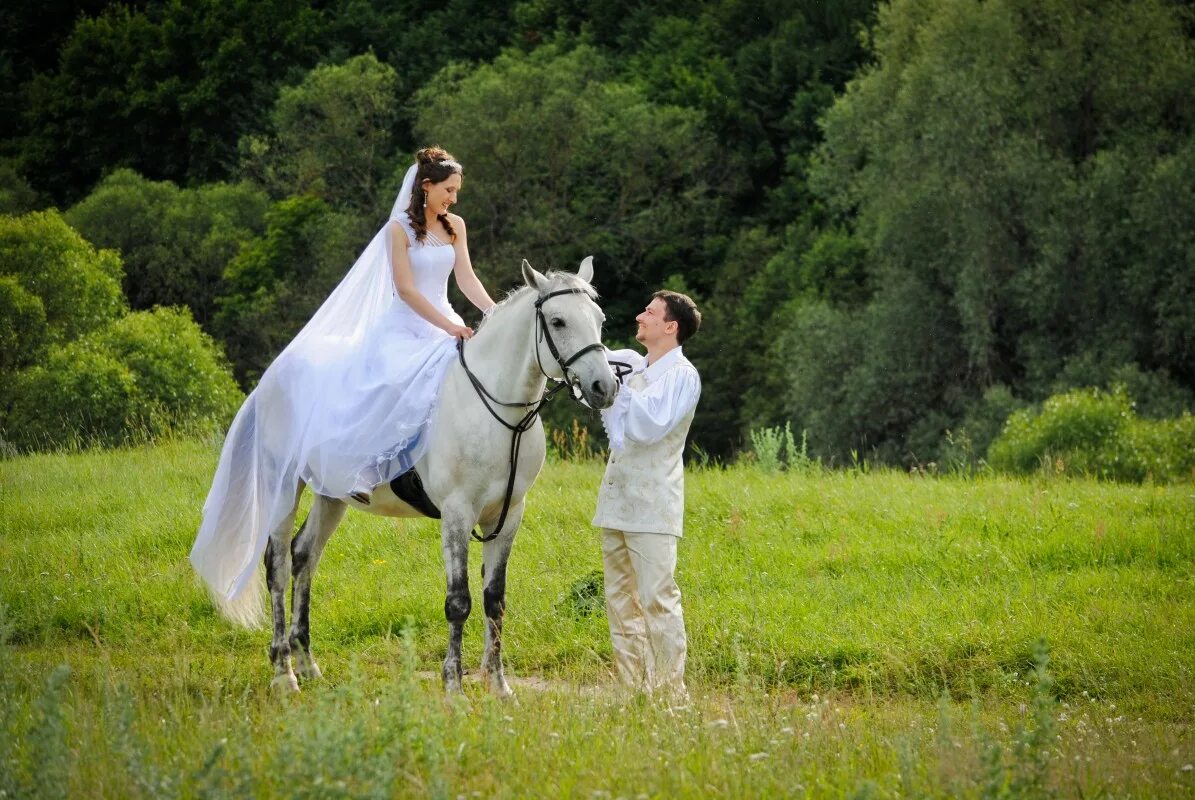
<point x="643" y="490"/>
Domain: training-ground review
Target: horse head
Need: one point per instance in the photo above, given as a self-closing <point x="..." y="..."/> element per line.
<point x="569" y="332"/>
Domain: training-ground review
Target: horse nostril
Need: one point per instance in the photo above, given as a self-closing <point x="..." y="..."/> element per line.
<point x="598" y="389"/>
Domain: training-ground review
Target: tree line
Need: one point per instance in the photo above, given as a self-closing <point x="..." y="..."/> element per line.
<point x="904" y="222"/>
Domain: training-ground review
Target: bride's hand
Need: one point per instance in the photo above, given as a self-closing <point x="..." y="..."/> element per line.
<point x="461" y="331"/>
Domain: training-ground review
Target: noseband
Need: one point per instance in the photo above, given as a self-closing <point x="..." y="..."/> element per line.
<point x="542" y="333"/>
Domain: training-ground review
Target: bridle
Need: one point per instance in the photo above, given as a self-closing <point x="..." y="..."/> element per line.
<point x="543" y="333"/>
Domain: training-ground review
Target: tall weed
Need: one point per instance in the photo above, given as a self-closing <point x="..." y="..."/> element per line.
<point x="776" y="449"/>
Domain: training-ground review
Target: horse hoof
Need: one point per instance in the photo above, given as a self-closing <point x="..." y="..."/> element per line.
<point x="501" y="689"/>
<point x="285" y="684"/>
<point x="310" y="671"/>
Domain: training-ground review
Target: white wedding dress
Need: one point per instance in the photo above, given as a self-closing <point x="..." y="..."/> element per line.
<point x="346" y="406"/>
<point x="369" y="403"/>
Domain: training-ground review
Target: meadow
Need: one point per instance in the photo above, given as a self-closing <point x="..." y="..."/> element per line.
<point x="855" y="633"/>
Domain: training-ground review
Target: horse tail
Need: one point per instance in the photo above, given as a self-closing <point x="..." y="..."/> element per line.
<point x="245" y="608"/>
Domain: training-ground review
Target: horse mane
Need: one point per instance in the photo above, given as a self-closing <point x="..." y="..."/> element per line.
<point x="556" y="280"/>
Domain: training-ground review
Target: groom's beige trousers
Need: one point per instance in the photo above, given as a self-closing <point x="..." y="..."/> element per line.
<point x="647" y="624"/>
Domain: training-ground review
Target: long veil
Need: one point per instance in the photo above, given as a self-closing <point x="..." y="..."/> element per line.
<point x="278" y="437"/>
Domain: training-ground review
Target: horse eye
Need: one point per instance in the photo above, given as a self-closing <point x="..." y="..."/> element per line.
<point x="557" y="322"/>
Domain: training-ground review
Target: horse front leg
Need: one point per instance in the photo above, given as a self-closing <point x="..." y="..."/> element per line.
<point x="454" y="534"/>
<point x="495" y="555"/>
<point x="306" y="549"/>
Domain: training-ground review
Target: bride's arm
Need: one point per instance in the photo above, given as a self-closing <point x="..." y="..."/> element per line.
<point x="466" y="278"/>
<point x="404" y="284"/>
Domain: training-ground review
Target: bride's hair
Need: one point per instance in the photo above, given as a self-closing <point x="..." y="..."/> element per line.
<point x="435" y="164"/>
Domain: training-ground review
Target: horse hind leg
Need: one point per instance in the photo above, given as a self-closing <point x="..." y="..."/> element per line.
<point x="278" y="570"/>
<point x="306" y="550"/>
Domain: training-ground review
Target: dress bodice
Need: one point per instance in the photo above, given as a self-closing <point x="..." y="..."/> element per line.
<point x="431" y="264"/>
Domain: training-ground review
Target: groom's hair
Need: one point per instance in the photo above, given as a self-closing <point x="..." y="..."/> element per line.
<point x="681" y="310"/>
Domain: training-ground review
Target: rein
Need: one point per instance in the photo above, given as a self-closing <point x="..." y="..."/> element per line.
<point x="517" y="430"/>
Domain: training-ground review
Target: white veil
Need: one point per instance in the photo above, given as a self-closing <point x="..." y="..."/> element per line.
<point x="280" y="434"/>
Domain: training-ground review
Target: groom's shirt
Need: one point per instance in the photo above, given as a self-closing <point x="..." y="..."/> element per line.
<point x="643" y="490"/>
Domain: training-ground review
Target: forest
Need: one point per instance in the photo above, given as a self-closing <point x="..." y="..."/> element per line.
<point x="916" y="229"/>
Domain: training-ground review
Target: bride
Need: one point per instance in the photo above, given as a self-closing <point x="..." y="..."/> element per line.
<point x="346" y="406"/>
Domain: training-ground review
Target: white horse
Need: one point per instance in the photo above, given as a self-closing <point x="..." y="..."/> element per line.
<point x="474" y="471"/>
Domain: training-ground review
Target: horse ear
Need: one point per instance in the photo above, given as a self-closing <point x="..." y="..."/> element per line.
<point x="533" y="278"/>
<point x="585" y="273"/>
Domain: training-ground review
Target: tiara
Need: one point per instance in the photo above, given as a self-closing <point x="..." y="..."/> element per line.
<point x="454" y="165"/>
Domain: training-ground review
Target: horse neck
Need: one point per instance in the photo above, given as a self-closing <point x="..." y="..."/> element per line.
<point x="502" y="354"/>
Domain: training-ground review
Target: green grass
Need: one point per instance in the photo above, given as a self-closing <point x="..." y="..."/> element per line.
<point x="851" y="634"/>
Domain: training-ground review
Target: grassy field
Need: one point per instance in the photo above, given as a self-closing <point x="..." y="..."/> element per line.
<point x="851" y="635"/>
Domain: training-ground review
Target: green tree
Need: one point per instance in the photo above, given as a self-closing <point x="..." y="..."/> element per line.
<point x="996" y="165"/>
<point x="166" y="90"/>
<point x="416" y="39"/>
<point x="561" y="161"/>
<point x="333" y="136"/>
<point x="16" y="195"/>
<point x="277" y="281"/>
<point x="175" y="243"/>
<point x="759" y="75"/>
<point x="31" y="33"/>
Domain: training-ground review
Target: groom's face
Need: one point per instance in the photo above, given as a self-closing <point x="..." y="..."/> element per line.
<point x="653" y="327"/>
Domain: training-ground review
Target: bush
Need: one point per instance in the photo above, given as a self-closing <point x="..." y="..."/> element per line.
<point x="1096" y="433"/>
<point x="144" y="376"/>
<point x="182" y="375"/>
<point x="1160" y="449"/>
<point x="79" y="397"/>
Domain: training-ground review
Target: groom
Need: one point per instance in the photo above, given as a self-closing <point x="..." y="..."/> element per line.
<point x="641" y="502"/>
